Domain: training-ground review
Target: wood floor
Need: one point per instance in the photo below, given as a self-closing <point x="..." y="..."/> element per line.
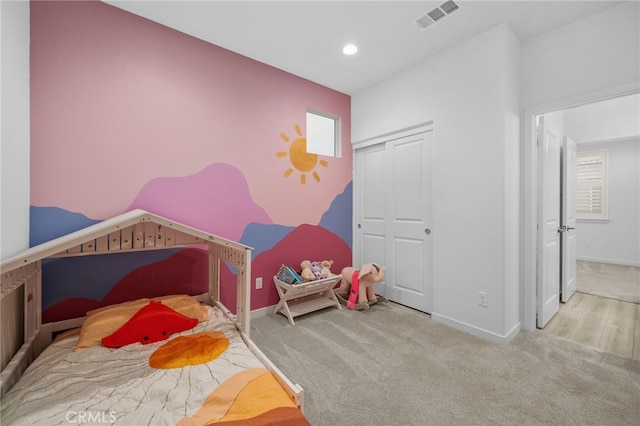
<point x="607" y="324"/>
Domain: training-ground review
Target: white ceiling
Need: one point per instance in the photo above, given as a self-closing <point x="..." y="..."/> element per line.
<point x="306" y="37"/>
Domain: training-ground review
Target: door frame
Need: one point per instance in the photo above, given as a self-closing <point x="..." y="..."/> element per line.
<point x="530" y="184"/>
<point x="568" y="244"/>
<point x="396" y="134"/>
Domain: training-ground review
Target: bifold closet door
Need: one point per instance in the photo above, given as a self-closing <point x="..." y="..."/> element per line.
<point x="393" y="216"/>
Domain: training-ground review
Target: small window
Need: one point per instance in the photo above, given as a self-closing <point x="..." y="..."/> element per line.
<point x="591" y="185"/>
<point x="323" y="134"/>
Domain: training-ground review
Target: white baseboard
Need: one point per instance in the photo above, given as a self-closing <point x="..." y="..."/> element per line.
<point x="467" y="328"/>
<point x="478" y="332"/>
<point x="612" y="261"/>
<point x="262" y="312"/>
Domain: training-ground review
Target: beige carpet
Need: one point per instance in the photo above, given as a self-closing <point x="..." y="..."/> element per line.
<point x="608" y="280"/>
<point x="392" y="365"/>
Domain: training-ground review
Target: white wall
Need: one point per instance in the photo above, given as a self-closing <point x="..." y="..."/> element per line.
<point x="471" y="94"/>
<point x="596" y="53"/>
<point x="14" y="145"/>
<point x="618" y="239"/>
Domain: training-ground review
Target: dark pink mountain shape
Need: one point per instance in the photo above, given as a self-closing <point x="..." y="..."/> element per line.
<point x="182" y="273"/>
<point x="308" y="242"/>
<point x="215" y="200"/>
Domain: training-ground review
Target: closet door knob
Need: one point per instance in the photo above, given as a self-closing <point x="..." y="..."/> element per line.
<point x="427" y="231"/>
<point x="359" y="226"/>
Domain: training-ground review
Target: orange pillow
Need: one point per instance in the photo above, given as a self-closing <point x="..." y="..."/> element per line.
<point x="153" y="323"/>
<point x="193" y="349"/>
<point x="104" y="321"/>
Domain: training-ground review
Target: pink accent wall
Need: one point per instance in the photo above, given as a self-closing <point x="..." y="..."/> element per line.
<point x="118" y="101"/>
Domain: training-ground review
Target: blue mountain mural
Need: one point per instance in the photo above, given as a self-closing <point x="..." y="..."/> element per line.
<point x="338" y="219"/>
<point x="48" y="223"/>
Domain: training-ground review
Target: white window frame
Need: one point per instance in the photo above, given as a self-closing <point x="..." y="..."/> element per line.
<point x="323" y="133"/>
<point x="592" y="185"/>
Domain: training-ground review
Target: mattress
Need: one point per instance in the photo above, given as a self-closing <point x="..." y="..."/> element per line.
<point x="100" y="385"/>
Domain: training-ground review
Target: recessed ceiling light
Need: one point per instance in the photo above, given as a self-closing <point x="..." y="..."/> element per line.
<point x="350" y="49"/>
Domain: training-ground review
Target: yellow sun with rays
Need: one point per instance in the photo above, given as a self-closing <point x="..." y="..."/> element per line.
<point x="305" y="162"/>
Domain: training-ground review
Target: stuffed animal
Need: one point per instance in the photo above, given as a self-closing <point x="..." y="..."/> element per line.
<point x="365" y="277"/>
<point x="316" y="268"/>
<point x="306" y="273"/>
<point x="311" y="271"/>
<point x="326" y="269"/>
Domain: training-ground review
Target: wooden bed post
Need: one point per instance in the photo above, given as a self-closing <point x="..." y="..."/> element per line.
<point x="244" y="291"/>
<point x="39" y="299"/>
<point x="214" y="275"/>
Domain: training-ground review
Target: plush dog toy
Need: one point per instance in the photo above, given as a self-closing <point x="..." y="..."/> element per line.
<point x="356" y="287"/>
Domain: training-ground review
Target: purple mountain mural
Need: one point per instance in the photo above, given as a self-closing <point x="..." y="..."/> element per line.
<point x="216" y="200"/>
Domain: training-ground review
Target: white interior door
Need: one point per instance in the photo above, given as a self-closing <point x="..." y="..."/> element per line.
<point x="409" y="244"/>
<point x="391" y="206"/>
<point x="548" y="274"/>
<point x="568" y="219"/>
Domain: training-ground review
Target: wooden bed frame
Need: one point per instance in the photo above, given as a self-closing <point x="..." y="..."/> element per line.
<point x="24" y="337"/>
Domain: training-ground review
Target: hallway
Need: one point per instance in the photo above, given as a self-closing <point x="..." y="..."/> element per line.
<point x="607" y="324"/>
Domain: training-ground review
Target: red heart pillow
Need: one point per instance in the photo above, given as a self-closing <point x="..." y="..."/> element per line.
<point x="152" y="323"/>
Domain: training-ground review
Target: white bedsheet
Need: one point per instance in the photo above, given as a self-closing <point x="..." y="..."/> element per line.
<point x="117" y="386"/>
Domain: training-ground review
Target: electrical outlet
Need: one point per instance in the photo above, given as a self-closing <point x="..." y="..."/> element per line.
<point x="483" y="299"/>
<point x="258" y="283"/>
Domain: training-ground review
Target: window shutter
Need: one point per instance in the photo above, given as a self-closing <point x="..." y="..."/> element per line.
<point x="591" y="185"/>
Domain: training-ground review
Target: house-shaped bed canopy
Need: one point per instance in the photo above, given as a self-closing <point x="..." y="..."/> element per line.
<point x="23" y="334"/>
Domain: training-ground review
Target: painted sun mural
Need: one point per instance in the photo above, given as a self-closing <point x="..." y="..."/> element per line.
<point x="303" y="161"/>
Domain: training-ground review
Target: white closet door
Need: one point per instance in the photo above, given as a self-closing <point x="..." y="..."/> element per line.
<point x="409" y="247"/>
<point x="392" y="196"/>
<point x="370" y="206"/>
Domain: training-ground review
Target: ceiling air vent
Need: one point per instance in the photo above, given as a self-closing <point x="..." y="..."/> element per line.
<point x="423" y="22"/>
<point x="436" y="14"/>
<point x="449" y="7"/>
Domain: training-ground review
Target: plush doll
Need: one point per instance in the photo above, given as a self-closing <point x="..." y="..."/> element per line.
<point x="326" y="269"/>
<point x="362" y="294"/>
<point x="306" y="273"/>
<point x="316" y="268"/>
